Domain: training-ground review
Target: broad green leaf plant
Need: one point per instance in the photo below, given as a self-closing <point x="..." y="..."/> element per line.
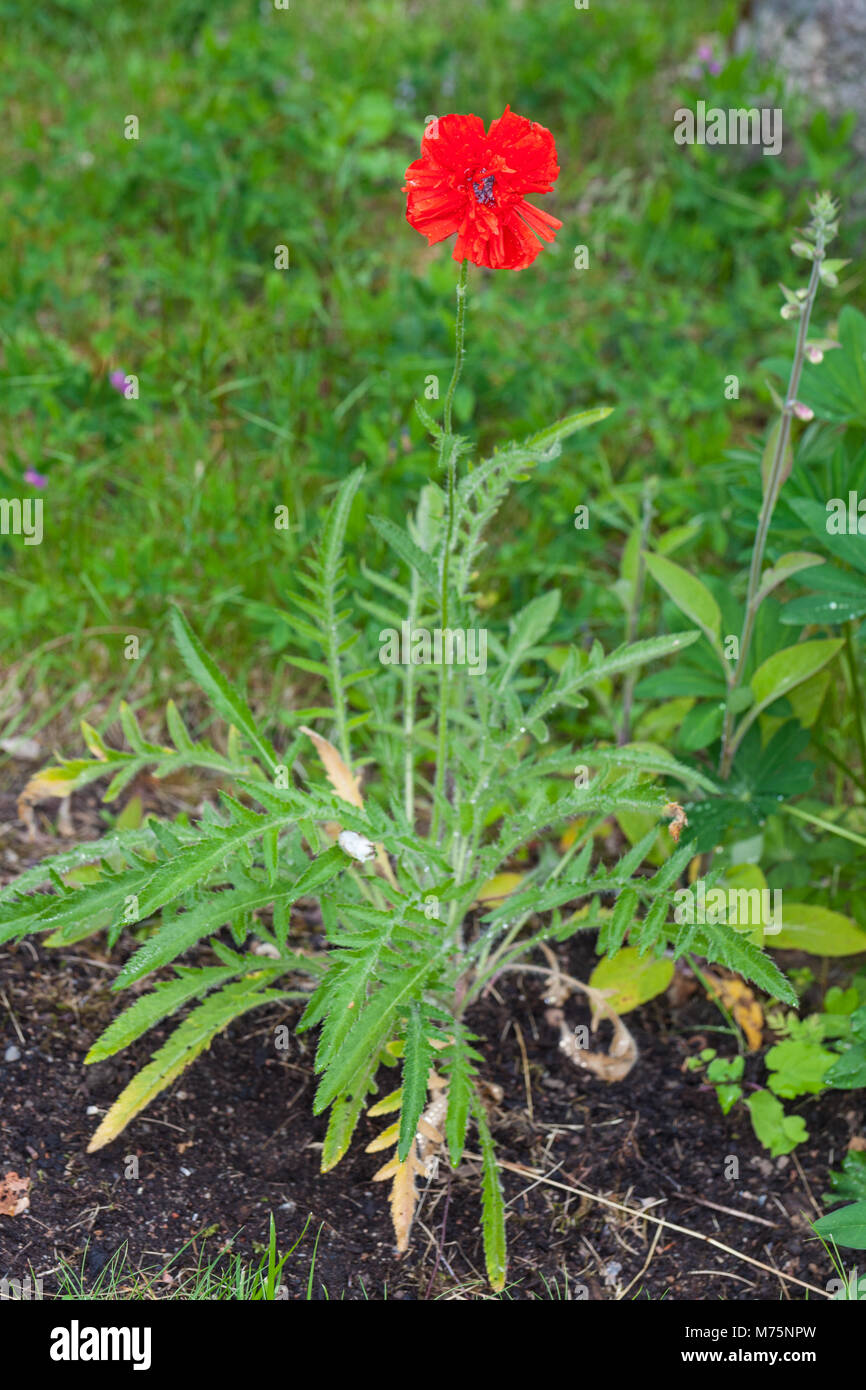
<point x="742" y="685"/>
<point x="459" y="772"/>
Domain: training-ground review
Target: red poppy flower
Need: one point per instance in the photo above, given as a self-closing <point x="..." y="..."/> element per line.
<point x="474" y="183"/>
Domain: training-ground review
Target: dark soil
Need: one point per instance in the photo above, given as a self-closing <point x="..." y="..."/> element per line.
<point x="234" y="1140"/>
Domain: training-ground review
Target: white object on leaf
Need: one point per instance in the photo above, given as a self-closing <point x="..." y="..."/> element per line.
<point x="357" y="846"/>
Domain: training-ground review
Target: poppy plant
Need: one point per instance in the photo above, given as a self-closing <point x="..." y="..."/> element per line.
<point x="474" y="182"/>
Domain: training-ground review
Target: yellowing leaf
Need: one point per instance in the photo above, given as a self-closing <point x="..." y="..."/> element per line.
<point x="741" y="1003"/>
<point x="187" y="1042"/>
<point x="387" y="1170"/>
<point x="51" y="781"/>
<point x="499" y="887"/>
<point x="570" y="834"/>
<point x="384" y="1140"/>
<point x="388" y="1104"/>
<point x="94" y="741"/>
<point x="630" y="979"/>
<point x="138" y="1094"/>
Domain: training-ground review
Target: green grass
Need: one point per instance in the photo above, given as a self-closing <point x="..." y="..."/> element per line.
<point x="261" y="388"/>
<point x="223" y="1276"/>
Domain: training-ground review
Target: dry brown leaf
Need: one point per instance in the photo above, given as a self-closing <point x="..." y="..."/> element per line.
<point x="682" y="986"/>
<point x="741" y="1003"/>
<point x="45" y="784"/>
<point x="678" y="819"/>
<point x="14" y="1195"/>
<point x="421" y="1160"/>
<point x="429" y="1131"/>
<point x="613" y="1065"/>
<point x="346" y="787"/>
<point x="404" y="1195"/>
<point x="617" y="1062"/>
<point x="430" y="1136"/>
<point x="339" y="776"/>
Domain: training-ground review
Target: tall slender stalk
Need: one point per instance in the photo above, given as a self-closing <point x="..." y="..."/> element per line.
<point x="635" y="607"/>
<point x="822" y="228"/>
<point x="446" y="453"/>
<point x="409" y="715"/>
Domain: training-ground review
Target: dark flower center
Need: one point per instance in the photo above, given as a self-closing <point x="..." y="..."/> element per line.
<point x="484" y="191"/>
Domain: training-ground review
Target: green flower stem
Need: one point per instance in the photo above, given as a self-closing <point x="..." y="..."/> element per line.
<point x="445" y="447"/>
<point x="409" y="716"/>
<point x="771" y="496"/>
<point x="824" y="824"/>
<point x="635" y="609"/>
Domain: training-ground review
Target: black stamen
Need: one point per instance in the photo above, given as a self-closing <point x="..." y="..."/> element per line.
<point x="484" y="191"/>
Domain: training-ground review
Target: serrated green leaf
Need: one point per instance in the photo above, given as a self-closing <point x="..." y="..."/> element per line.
<point x="225" y="700"/>
<point x="555" y="434"/>
<point x="167" y="997"/>
<point x="402" y="543"/>
<point x="492" y="1204"/>
<point x="460" y="1071"/>
<point x="344" y="1116"/>
<point x="417" y="1061"/>
<point x="187" y="1042"/>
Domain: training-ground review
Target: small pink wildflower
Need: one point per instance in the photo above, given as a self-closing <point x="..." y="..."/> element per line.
<point x="706" y="56"/>
<point x="803" y="412"/>
<point x="118" y="381"/>
<point x="35" y="479"/>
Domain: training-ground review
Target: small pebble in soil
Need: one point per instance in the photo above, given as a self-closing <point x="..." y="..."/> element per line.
<point x="12" y="1053"/>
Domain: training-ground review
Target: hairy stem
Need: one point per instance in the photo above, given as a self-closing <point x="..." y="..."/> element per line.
<point x="634" y="611"/>
<point x="772" y="489"/>
<point x="409" y="716"/>
<point x="445" y="448"/>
